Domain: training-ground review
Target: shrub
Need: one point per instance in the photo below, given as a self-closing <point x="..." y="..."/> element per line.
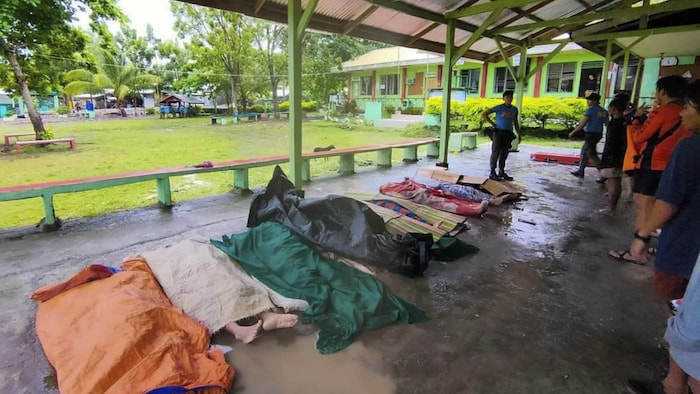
<point x="284" y="106"/>
<point x="388" y="110"/>
<point x="47" y="134"/>
<point x="258" y="108"/>
<point x="9" y="113"/>
<point x="412" y="111"/>
<point x="350" y="107"/>
<point x="62" y="110"/>
<point x="150" y="111"/>
<point x="309" y="106"/>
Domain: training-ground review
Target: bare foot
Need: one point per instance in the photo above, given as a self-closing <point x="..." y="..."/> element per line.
<point x="245" y="334"/>
<point x="272" y="321"/>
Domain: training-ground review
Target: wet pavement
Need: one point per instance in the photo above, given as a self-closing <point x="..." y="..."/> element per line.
<point x="540" y="309"/>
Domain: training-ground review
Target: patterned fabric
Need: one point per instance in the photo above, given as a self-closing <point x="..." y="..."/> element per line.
<point x="464" y="192"/>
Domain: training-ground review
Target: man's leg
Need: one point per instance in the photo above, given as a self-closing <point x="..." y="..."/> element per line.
<point x="614" y="190"/>
<point x="592" y="152"/>
<point x="505" y="149"/>
<point x="583" y="160"/>
<point x="676" y="382"/>
<point x="495" y="151"/>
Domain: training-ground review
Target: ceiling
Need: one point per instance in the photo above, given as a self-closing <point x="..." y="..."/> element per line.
<point x="654" y="27"/>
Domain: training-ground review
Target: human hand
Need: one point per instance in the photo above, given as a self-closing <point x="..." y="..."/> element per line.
<point x="642" y="110"/>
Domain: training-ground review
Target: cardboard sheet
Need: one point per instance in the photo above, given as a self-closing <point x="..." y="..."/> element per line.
<point x="496" y="188"/>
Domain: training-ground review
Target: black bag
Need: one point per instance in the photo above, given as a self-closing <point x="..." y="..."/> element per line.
<point x="488" y="131"/>
<point x="652" y="143"/>
<point x="417" y="254"/>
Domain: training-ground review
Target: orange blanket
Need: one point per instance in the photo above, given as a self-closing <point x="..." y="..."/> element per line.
<point x="121" y="334"/>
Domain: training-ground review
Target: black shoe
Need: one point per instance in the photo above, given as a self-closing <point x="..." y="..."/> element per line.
<point x="505" y="176"/>
<point x="644" y="386"/>
<point x="577" y="174"/>
<point x="493" y="176"/>
<point x="600" y="179"/>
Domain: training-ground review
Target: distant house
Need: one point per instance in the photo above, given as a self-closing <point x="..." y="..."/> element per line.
<point x="6" y="104"/>
<point x="176" y="100"/>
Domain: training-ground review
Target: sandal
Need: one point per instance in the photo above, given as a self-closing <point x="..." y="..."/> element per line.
<point x="624" y="256"/>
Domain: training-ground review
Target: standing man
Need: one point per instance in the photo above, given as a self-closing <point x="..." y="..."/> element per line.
<point x="593" y="122"/>
<point x="506" y="118"/>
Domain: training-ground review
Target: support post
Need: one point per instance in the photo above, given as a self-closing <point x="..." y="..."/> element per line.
<point x="295" y="35"/>
<point x="164" y="196"/>
<point x="446" y="94"/>
<point x="346" y="163"/>
<point x="384" y="157"/>
<point x="606" y="73"/>
<point x="519" y="93"/>
<point x="50" y="223"/>
<point x="240" y="178"/>
<point x="305" y="169"/>
<point x="410" y="154"/>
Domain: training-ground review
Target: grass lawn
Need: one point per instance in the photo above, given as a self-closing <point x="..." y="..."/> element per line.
<point x="126" y="145"/>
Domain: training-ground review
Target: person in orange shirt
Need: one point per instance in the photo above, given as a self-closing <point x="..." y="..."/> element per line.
<point x="654" y="134"/>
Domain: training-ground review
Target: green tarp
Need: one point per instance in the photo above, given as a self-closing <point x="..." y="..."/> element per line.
<point x="343" y="301"/>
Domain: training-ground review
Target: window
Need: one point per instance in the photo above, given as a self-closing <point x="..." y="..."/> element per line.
<point x="366" y="86"/>
<point x="504" y="81"/>
<point x="560" y="77"/>
<point x="469" y="79"/>
<point x="389" y="84"/>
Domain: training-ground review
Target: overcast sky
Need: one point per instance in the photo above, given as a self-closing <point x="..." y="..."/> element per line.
<point x="141" y="13"/>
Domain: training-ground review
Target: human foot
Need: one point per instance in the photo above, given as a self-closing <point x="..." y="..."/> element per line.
<point x="505" y="176"/>
<point x="577" y="174"/>
<point x="606" y="212"/>
<point x="272" y="320"/>
<point x="245" y="334"/>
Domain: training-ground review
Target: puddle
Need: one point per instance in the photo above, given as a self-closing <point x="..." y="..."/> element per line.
<point x="295" y="366"/>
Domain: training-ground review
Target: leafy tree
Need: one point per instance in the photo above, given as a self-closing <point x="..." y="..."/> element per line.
<point x="270" y="41"/>
<point x="115" y="73"/>
<point x="33" y="27"/>
<point x="140" y="50"/>
<point x="223" y="36"/>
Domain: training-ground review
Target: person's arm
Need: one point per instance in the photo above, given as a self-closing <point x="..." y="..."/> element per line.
<point x="660" y="213"/>
<point x="642" y="131"/>
<point x="487" y="118"/>
<point x="579" y="127"/>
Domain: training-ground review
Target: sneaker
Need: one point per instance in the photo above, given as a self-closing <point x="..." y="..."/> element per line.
<point x="505" y="176"/>
<point x="600" y="179"/>
<point x="577" y="174"/>
<point x="493" y="176"/>
<point x="644" y="386"/>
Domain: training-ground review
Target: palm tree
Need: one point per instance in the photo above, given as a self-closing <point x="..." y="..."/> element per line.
<point x="114" y="72"/>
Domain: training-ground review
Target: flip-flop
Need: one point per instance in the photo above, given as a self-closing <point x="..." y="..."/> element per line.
<point x="624" y="256"/>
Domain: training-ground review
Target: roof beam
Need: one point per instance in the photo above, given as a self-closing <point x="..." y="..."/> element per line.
<point x="418" y="35"/>
<point x="431" y="16"/>
<point x="357" y="21"/>
<point x="524" y="14"/>
<point x="487" y="7"/>
<point x="306" y="17"/>
<point x="635" y="12"/>
<point x="622" y="34"/>
<point x="258" y="5"/>
<point x="475" y="36"/>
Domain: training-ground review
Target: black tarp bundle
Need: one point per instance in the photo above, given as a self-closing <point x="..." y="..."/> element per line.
<point x="341" y="225"/>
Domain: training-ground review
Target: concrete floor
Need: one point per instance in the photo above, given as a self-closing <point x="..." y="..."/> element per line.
<point x="540" y="309"/>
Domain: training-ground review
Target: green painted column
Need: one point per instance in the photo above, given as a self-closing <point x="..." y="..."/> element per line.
<point x="295" y="33"/>
<point x="346" y="164"/>
<point x="384" y="158"/>
<point x="305" y="170"/>
<point x="410" y="154"/>
<point x="606" y="73"/>
<point x="49" y="213"/>
<point x="433" y="149"/>
<point x="519" y="93"/>
<point x="625" y="69"/>
<point x="446" y="94"/>
<point x="240" y="179"/>
<point x="164" y="197"/>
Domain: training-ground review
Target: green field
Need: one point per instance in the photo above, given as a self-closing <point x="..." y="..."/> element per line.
<point x="126" y="145"/>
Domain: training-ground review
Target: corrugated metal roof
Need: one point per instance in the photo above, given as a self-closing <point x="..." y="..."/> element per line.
<point x="408" y="22"/>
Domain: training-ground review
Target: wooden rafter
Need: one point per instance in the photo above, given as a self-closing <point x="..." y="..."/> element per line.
<point x="258" y="5"/>
<point x="350" y="26"/>
<point x="416" y="36"/>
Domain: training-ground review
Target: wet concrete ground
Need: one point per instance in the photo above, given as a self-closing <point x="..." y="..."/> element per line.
<point x="540" y="309"/>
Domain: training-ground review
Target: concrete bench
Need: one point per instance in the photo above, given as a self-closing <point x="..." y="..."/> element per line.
<point x="16" y="137"/>
<point x="219" y="120"/>
<point x="251" y="115"/>
<point x="239" y="168"/>
<point x="461" y="141"/>
<point x="20" y="144"/>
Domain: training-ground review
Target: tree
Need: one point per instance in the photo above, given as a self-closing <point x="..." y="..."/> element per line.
<point x="270" y="40"/>
<point x="223" y="37"/>
<point x="115" y="73"/>
<point x="30" y="26"/>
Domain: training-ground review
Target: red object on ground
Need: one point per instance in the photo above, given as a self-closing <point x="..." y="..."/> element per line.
<point x="557" y="158"/>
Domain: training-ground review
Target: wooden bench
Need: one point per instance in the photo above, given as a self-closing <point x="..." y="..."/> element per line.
<point x="15" y="136"/>
<point x="162" y="177"/>
<point x="20" y="144"/>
